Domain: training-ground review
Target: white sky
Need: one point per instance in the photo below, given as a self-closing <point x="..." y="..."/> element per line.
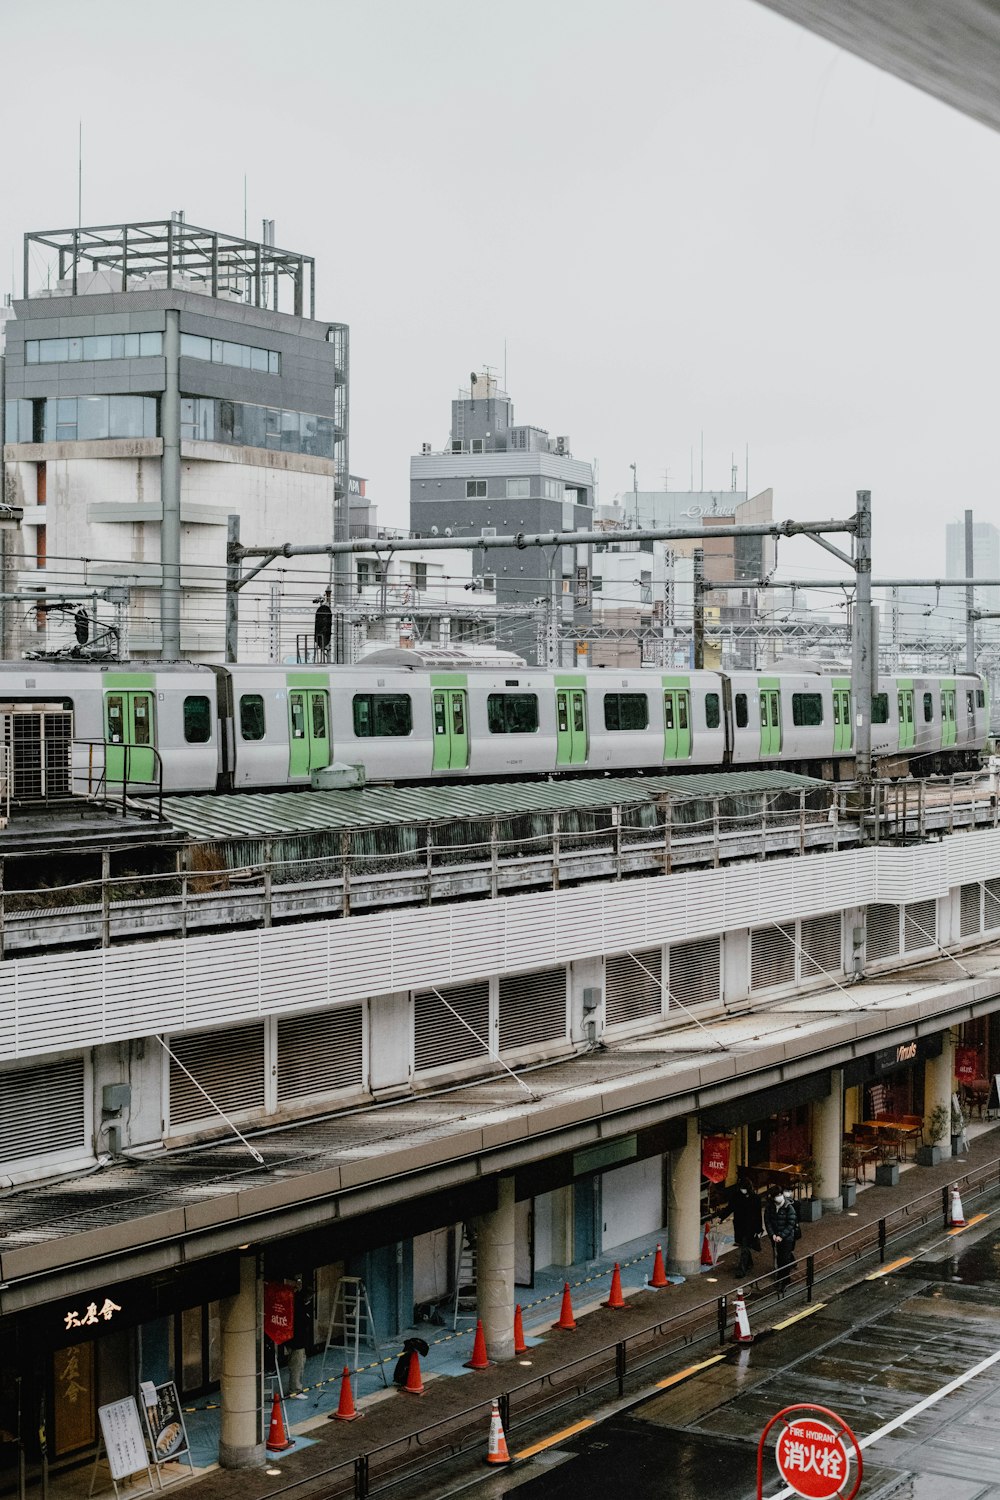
<point x="681" y="215"/>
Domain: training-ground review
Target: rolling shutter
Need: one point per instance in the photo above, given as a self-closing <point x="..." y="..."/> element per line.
<point x="696" y="972"/>
<point x="229" y="1065"/>
<point x="821" y="950"/>
<point x="772" y="957"/>
<point x="882" y="927"/>
<point x="532" y="1008"/>
<point x="920" y="925"/>
<point x="319" y="1054"/>
<point x="42" y="1110"/>
<point x="631" y="994"/>
<point x="438" y="1039"/>
<point x="971" y="923"/>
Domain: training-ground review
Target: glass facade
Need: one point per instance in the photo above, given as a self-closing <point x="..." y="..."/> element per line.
<point x="210" y="420"/>
<point x="17" y="422"/>
<point x="223" y="352"/>
<point x="97" y="346"/>
<point x="83" y="418"/>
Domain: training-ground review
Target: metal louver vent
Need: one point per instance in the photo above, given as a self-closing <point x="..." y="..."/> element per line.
<point x="229" y="1065"/>
<point x="532" y="1008"/>
<point x="920" y="925"/>
<point x="632" y="993"/>
<point x="772" y="957"/>
<point x="882" y="924"/>
<point x="42" y="1110"/>
<point x="438" y="1039"/>
<point x="821" y="950"/>
<point x="319" y="1054"/>
<point x="991" y="905"/>
<point x="971" y="914"/>
<point x="696" y="972"/>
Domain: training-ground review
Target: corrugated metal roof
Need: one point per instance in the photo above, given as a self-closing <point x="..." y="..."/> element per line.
<point x="249" y="814"/>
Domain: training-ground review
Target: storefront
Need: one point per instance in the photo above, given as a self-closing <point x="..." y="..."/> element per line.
<point x="888" y="1082"/>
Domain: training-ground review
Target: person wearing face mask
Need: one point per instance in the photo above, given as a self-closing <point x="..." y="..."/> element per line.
<point x="744" y="1205"/>
<point x="781" y="1226"/>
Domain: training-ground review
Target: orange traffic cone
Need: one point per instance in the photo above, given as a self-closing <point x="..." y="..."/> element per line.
<point x="616" y="1299"/>
<point x="277" y="1435"/>
<point x="741" y="1327"/>
<point x="346" y="1411"/>
<point x="707" y="1258"/>
<point x="566" y="1319"/>
<point x="520" y="1347"/>
<point x="957" y="1212"/>
<point x="480" y="1359"/>
<point x="658" y="1280"/>
<point x="414" y="1384"/>
<point x="496" y="1452"/>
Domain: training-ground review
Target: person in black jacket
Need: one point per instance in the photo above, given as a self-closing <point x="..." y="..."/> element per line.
<point x="744" y="1205"/>
<point x="781" y="1221"/>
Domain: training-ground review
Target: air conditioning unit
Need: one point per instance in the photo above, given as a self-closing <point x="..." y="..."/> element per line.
<point x="457" y="446"/>
<point x="477" y="445"/>
<point x="426" y="448"/>
<point x="562" y="446"/>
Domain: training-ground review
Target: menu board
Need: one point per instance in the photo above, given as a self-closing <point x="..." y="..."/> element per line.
<point x="167" y="1434"/>
<point x="123" y="1439"/>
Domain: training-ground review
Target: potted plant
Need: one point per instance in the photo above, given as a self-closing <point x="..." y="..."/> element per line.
<point x="809" y="1209"/>
<point x="887" y="1167"/>
<point x="938" y="1121"/>
<point x="849" y="1161"/>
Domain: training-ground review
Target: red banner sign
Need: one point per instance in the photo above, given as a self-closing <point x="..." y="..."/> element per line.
<point x="966" y="1064"/>
<point x="715" y="1157"/>
<point x="279" y="1311"/>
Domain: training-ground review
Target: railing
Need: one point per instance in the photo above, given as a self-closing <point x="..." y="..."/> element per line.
<point x="96" y="785"/>
<point x="616" y="1367"/>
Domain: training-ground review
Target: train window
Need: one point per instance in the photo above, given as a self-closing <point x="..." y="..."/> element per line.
<point x="880" y="708"/>
<point x="297" y="710"/>
<point x="512" y="713"/>
<point x="382" y="714"/>
<point x="970" y="703"/>
<point x="928" y="708"/>
<point x="713" y="718"/>
<point x="319" y="715"/>
<point x="682" y="711"/>
<point x="252" y="716"/>
<point x="742" y="712"/>
<point x="980" y="698"/>
<point x="807" y="709"/>
<point x="197" y="721"/>
<point x="626" y="711"/>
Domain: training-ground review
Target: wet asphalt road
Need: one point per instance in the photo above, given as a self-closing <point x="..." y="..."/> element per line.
<point x="870" y="1354"/>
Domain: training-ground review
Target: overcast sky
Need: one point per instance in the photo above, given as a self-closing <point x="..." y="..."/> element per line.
<point x="681" y="215"/>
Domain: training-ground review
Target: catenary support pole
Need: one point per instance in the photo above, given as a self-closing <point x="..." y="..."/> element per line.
<point x="862" y="665"/>
<point x="232" y="587"/>
<point x="170" y="494"/>
<point x="699" y="609"/>
<point x="970" y="598"/>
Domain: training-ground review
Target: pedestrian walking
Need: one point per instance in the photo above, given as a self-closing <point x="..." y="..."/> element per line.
<point x="781" y="1223"/>
<point x="744" y="1205"/>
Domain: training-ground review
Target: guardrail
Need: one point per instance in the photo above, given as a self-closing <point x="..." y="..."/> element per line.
<point x="616" y="1366"/>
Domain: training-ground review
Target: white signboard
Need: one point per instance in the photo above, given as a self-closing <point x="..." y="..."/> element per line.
<point x="123" y="1438"/>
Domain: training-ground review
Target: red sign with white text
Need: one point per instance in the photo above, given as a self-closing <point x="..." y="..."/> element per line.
<point x="966" y="1064"/>
<point x="279" y="1311"/>
<point x="715" y="1157"/>
<point x="812" y="1459"/>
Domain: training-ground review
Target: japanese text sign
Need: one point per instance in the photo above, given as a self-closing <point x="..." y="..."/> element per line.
<point x="816" y="1453"/>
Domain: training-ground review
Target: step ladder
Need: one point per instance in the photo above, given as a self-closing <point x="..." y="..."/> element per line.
<point x="352" y="1313"/>
<point x="466" y="1277"/>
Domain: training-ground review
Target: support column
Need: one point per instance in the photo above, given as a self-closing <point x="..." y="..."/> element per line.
<point x="495" y="1272"/>
<point x="828" y="1139"/>
<point x="170" y="494"/>
<point x="241" y="1443"/>
<point x="939" y="1083"/>
<point x="684" y="1199"/>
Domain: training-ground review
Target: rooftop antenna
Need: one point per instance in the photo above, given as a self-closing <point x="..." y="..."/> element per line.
<point x="746" y="470"/>
<point x="79" y="175"/>
<point x="244" y="205"/>
<point x="691" y="456"/>
<point x="635" y="492"/>
<point x="702" y="481"/>
<point x="505" y="385"/>
<point x="733" y="466"/>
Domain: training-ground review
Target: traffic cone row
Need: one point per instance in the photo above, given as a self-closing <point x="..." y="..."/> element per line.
<point x="957" y="1212"/>
<point x="414" y="1385"/>
<point x="658" y="1280"/>
<point x="480" y="1359"/>
<point x="497" y="1451"/>
<point x="741" y="1325"/>
<point x="615" y="1299"/>
<point x="707" y="1258"/>
<point x="566" y="1319"/>
<point x="346" y="1411"/>
<point x="278" y="1440"/>
<point x="520" y="1347"/>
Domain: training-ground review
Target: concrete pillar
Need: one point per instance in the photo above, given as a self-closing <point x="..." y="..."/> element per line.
<point x="495" y="1272"/>
<point x="939" y="1083"/>
<point x="684" y="1200"/>
<point x="827" y="1143"/>
<point x="241" y="1443"/>
<point x="170" y="494"/>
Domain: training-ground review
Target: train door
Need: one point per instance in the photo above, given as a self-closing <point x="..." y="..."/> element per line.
<point x="571" y="726"/>
<point x="770" y="717"/>
<point x="842" y="728"/>
<point x="308" y="730"/>
<point x="130" y="735"/>
<point x="904" y="707"/>
<point x="676" y="724"/>
<point x="451" y="731"/>
<point x="949" y="724"/>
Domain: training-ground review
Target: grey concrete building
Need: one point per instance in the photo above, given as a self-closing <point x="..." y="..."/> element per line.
<point x="498" y="477"/>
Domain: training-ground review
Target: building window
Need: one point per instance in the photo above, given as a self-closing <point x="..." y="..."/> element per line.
<point x="928" y="708"/>
<point x="742" y="712"/>
<point x="490" y="583"/>
<point x="86" y="418"/>
<point x="478" y="446"/>
<point x="96" y="346"/>
<point x="880" y="708"/>
<point x="197" y="720"/>
<point x="475" y="489"/>
<point x="626" y="711"/>
<point x="243" y="425"/>
<point x="418" y="575"/>
<point x="457" y="446"/>
<point x="518" y="489"/>
<point x="713" y="717"/>
<point x="552" y="489"/>
<point x="18" y="422"/>
<point x="252" y="725"/>
<point x="224" y="352"/>
<point x="512" y="713"/>
<point x="370" y="574"/>
<point x="807" y="709"/>
<point x="40" y="545"/>
<point x="382" y="714"/>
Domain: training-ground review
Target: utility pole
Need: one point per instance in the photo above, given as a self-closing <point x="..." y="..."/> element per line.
<point x="970" y="599"/>
<point x="698" y="631"/>
<point x="232" y="587"/>
<point x="862" y="665"/>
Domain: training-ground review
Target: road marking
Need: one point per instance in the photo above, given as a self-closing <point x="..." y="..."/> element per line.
<point x="557" y="1437"/>
<point x="894" y="1265"/>
<point x="806" y="1312"/>
<point x="663" y="1385"/>
<point x="961" y="1228"/>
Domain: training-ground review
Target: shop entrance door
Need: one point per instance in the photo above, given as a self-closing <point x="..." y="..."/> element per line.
<point x="587" y="1218"/>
